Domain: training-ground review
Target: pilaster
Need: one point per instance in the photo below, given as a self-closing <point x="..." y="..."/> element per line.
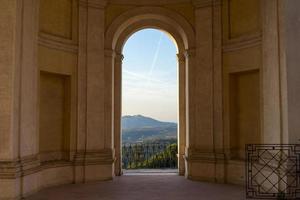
<point x="19" y="99"/>
<point x="270" y="79"/>
<point x="204" y="153"/>
<point x="289" y="29"/>
<point x="99" y="95"/>
<point x="95" y="78"/>
<point x="182" y="111"/>
<point x="82" y="92"/>
<point x="118" y="110"/>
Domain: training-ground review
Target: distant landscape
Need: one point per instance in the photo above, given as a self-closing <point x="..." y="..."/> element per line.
<point x="138" y="128"/>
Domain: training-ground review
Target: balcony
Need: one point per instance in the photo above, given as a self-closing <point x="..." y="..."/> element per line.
<point x="158" y="155"/>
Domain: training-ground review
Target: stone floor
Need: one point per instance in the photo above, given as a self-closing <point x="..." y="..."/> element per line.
<point x="142" y="187"/>
<point x="150" y="172"/>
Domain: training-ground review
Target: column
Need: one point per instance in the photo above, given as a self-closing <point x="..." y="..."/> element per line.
<point x="204" y="96"/>
<point x="182" y="112"/>
<point x="218" y="130"/>
<point x="289" y="59"/>
<point x="118" y="112"/>
<point x="280" y="80"/>
<point x="99" y="153"/>
<point x="18" y="98"/>
<point x="271" y="114"/>
<point x="289" y="30"/>
<point x="10" y="15"/>
<point x="82" y="94"/>
<point x="95" y="75"/>
<point x="29" y="97"/>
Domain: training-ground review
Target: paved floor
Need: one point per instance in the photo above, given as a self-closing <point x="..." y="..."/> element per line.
<point x="149" y="172"/>
<point x="156" y="187"/>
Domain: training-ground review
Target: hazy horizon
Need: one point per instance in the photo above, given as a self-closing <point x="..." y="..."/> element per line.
<point x="147" y="116"/>
<point x="149" y="76"/>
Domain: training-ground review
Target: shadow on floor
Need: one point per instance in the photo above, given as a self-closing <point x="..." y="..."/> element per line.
<point x="155" y="187"/>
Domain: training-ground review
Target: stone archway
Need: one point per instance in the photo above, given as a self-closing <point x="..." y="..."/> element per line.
<point x="116" y="36"/>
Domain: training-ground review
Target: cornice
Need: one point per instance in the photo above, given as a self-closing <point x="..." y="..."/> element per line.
<point x="57" y="43"/>
<point x="242" y="43"/>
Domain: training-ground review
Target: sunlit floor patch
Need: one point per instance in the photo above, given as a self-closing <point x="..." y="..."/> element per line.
<point x="150" y="172"/>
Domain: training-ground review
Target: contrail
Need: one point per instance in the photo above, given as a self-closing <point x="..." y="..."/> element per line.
<point x="154" y="60"/>
<point x="139" y="76"/>
<point x="133" y="79"/>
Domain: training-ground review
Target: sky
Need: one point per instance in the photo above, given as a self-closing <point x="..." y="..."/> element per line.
<point x="149" y="76"/>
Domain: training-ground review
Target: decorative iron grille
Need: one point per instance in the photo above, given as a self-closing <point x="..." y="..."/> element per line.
<point x="272" y="171"/>
<point x="149" y="156"/>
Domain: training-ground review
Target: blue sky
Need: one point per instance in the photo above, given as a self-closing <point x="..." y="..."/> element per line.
<point x="149" y="76"/>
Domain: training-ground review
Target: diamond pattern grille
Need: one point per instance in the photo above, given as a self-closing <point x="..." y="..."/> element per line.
<point x="272" y="171"/>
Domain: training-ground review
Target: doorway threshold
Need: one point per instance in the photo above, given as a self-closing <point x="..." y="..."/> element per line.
<point x="149" y="172"/>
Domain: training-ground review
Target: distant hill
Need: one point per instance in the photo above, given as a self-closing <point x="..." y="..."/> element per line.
<point x="140" y="121"/>
<point x="138" y="128"/>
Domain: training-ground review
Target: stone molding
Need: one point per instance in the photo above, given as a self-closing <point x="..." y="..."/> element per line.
<point x="109" y="53"/>
<point x="113" y="54"/>
<point x="96" y="157"/>
<point x="97" y="4"/>
<point x="19" y="167"/>
<point x="242" y="43"/>
<point x="190" y="53"/>
<point x="206" y="3"/>
<point x="198" y="155"/>
<point x="10" y="169"/>
<point x="133" y="19"/>
<point x="181" y="57"/>
<point x="57" y="43"/>
<point x="28" y="165"/>
<point x="119" y="57"/>
<point x="148" y="2"/>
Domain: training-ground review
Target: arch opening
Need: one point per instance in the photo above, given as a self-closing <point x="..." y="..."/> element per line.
<point x="116" y="36"/>
<point x="150" y="102"/>
<point x="170" y="36"/>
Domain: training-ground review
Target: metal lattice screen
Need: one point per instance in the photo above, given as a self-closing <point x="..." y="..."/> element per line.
<point x="272" y="171"/>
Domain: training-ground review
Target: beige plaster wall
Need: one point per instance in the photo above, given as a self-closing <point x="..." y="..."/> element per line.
<point x="184" y="9"/>
<point x="57" y="17"/>
<point x="244" y="112"/>
<point x="54" y="116"/>
<point x="244" y="17"/>
<point x="57" y="61"/>
<point x="115" y="10"/>
<point x="8" y="65"/>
